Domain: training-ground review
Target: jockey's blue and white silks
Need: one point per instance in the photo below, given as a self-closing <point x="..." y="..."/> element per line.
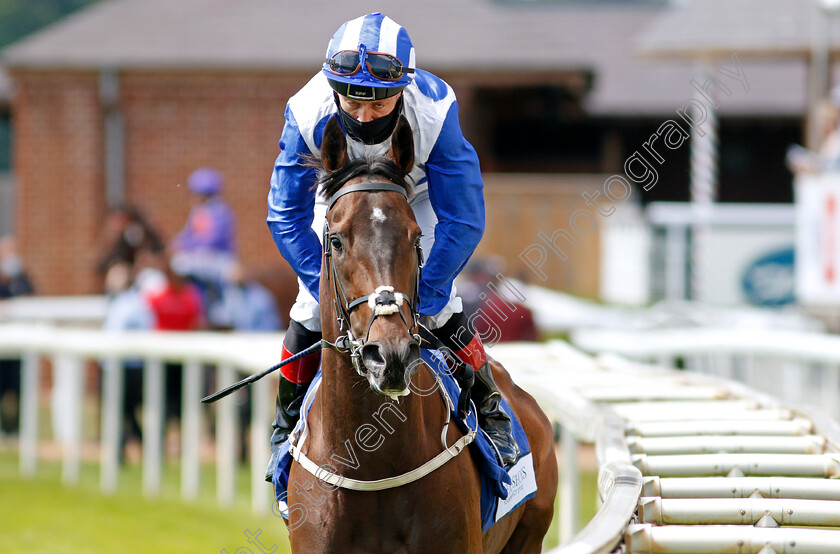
<point x="446" y="168"/>
<point x="377" y="33"/>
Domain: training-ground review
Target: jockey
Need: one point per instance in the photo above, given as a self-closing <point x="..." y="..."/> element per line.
<point x="368" y="79"/>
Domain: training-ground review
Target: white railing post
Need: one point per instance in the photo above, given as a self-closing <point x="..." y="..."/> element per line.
<point x="831" y="390"/>
<point x="191" y="428"/>
<point x="112" y="422"/>
<point x="260" y="433"/>
<point x="789" y="381"/>
<point x="749" y="371"/>
<point x="153" y="416"/>
<point x="569" y="486"/>
<point x="69" y="375"/>
<point x="29" y="403"/>
<point x="226" y="443"/>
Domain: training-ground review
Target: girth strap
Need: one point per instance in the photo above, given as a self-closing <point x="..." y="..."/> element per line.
<point x="389" y="482"/>
<point x="449" y="452"/>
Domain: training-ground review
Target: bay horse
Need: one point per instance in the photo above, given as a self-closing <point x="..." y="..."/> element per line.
<point x="364" y="424"/>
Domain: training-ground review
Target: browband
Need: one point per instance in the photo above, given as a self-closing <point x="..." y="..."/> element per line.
<point x="360" y="187"/>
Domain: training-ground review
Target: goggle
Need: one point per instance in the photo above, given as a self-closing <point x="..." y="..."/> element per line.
<point x="382" y="66"/>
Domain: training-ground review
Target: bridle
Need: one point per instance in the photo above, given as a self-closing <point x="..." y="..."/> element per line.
<point x="384" y="300"/>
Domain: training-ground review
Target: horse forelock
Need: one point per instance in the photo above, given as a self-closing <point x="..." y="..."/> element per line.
<point x="379" y="168"/>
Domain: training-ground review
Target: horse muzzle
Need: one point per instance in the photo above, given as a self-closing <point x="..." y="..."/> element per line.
<point x="389" y="365"/>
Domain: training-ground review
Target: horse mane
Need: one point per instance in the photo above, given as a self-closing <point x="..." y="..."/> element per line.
<point x="381" y="167"/>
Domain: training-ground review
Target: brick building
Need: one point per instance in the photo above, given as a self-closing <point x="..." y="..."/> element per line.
<point x="121" y="101"/>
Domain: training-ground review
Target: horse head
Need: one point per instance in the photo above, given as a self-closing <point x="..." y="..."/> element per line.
<point x="372" y="259"/>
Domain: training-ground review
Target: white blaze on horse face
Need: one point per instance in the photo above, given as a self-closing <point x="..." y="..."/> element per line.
<point x="378" y="216"/>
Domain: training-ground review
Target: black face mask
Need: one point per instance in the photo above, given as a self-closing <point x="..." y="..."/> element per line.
<point x="370" y="132"/>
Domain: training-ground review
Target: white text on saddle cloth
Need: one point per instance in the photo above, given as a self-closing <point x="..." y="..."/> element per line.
<point x="523" y="482"/>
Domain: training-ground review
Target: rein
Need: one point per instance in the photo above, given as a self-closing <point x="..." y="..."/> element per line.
<point x="340" y="345"/>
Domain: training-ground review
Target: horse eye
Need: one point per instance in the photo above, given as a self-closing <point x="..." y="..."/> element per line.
<point x="335" y="242"/>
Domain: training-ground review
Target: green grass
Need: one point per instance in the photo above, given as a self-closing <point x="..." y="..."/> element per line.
<point x="40" y="515"/>
<point x="587" y="507"/>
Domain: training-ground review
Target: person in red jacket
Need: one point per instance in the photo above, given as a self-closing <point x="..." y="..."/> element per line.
<point x="177" y="306"/>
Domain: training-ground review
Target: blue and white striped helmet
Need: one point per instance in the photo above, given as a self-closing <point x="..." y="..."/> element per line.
<point x="370" y="58"/>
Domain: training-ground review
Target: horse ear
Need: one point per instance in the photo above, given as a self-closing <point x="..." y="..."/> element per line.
<point x="402" y="145"/>
<point x="333" y="146"/>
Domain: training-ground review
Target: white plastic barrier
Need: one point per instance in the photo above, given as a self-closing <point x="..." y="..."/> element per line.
<point x="793" y="366"/>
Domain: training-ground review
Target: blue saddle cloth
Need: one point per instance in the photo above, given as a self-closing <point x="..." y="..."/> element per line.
<point x="495" y="480"/>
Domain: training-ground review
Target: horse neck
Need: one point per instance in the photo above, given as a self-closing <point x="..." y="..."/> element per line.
<point x="350" y="403"/>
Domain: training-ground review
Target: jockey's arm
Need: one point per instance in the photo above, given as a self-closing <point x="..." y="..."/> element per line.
<point x="291" y="203"/>
<point x="456" y="193"/>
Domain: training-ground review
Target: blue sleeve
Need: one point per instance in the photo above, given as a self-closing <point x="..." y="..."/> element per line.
<point x="291" y="204"/>
<point x="456" y="193"/>
<point x="186" y="238"/>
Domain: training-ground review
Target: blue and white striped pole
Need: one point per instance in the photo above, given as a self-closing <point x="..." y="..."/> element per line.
<point x="704" y="181"/>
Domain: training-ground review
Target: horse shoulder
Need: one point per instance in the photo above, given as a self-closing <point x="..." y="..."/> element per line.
<point x="524" y="527"/>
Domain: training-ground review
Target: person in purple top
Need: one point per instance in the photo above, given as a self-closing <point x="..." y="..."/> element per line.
<point x="211" y="225"/>
<point x="205" y="249"/>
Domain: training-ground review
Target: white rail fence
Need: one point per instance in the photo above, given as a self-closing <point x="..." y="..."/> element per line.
<point x="69" y="350"/>
<point x="551" y="372"/>
<point x="799" y="368"/>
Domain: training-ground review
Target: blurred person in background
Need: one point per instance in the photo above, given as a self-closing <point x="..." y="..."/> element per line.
<point x="13" y="282"/>
<point x="13" y="278"/>
<point x="205" y="248"/>
<point x="801" y="160"/>
<point x="246" y="304"/>
<point x="177" y="305"/>
<point x="489" y="302"/>
<point x="368" y="81"/>
<point x="248" y="307"/>
<point x="127" y="233"/>
<point x="128" y="310"/>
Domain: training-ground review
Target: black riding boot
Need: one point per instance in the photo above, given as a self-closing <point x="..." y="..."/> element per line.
<point x="495" y="422"/>
<point x="484" y="392"/>
<point x="286" y="415"/>
<point x="294" y="382"/>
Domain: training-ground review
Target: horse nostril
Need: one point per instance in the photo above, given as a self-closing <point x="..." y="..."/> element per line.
<point x="412" y="359"/>
<point x="372" y="357"/>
